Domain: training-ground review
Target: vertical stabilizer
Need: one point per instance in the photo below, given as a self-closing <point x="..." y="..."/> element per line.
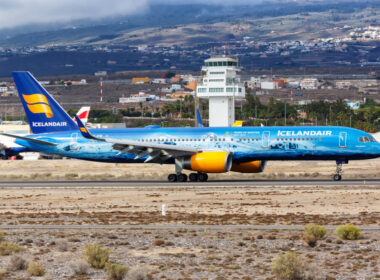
<point x="43" y="112"/>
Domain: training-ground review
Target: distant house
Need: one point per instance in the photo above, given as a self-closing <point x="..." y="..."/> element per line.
<point x="100" y="73"/>
<point x="269" y="85"/>
<point x="140" y="80"/>
<point x="180" y="95"/>
<point x="309" y="83"/>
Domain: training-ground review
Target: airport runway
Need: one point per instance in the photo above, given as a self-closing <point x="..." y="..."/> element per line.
<point x="164" y="227"/>
<point x="152" y="183"/>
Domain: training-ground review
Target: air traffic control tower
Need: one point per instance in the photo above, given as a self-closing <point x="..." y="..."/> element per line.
<point x="221" y="85"/>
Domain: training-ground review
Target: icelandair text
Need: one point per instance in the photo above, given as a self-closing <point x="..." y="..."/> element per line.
<point x="304" y="133"/>
<point x="48" y="124"/>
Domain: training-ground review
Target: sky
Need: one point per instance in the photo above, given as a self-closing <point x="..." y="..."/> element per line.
<point x="15" y="13"/>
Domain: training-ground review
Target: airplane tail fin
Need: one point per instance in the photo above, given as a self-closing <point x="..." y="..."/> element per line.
<point x="43" y="112"/>
<point x="238" y="124"/>
<point x="83" y="114"/>
<point x="199" y="119"/>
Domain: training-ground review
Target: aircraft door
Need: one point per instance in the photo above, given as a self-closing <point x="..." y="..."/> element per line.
<point x="343" y="140"/>
<point x="74" y="141"/>
<point x="265" y="139"/>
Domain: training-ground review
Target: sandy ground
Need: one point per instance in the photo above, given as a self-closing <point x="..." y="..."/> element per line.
<point x="191" y="254"/>
<point x="197" y="254"/>
<point x="192" y="205"/>
<point x="77" y="169"/>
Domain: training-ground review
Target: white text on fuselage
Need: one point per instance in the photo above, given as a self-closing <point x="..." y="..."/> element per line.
<point x="48" y="124"/>
<point x="304" y="133"/>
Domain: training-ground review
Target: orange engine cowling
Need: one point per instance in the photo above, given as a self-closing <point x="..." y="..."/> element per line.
<point x="255" y="166"/>
<point x="208" y="162"/>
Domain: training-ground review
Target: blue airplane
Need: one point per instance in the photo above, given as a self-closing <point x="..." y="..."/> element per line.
<point x="202" y="149"/>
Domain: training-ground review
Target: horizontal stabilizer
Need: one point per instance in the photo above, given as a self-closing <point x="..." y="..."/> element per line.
<point x="84" y="130"/>
<point x="30" y="139"/>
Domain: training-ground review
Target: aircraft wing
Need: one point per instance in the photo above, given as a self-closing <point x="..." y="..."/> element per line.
<point x="155" y="152"/>
<point x="30" y="139"/>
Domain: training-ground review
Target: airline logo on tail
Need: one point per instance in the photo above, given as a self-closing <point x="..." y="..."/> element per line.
<point x="38" y="104"/>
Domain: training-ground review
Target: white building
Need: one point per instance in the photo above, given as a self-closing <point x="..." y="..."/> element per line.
<point x="268" y="85"/>
<point x="221" y="85"/>
<point x="136" y="98"/>
<point x="309" y="83"/>
<point x="254" y="82"/>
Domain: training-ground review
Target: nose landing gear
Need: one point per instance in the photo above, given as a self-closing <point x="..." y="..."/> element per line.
<point x="339" y="170"/>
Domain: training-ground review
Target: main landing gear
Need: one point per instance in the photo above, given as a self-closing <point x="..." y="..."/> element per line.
<point x="180" y="177"/>
<point x="339" y="170"/>
<point x="193" y="177"/>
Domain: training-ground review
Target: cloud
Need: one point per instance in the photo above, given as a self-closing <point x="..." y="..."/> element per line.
<point x="15" y="13"/>
<point x="20" y="12"/>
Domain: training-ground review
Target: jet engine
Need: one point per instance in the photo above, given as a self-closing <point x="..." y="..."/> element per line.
<point x="255" y="166"/>
<point x="208" y="162"/>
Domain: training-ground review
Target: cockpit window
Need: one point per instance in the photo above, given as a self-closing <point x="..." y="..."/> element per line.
<point x="367" y="139"/>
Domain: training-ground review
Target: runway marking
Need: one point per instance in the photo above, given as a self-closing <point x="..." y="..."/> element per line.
<point x="151" y="183"/>
<point x="164" y="227"/>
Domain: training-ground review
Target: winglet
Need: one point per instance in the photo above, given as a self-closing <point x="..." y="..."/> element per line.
<point x="199" y="119"/>
<point x="238" y="124"/>
<point x="84" y="131"/>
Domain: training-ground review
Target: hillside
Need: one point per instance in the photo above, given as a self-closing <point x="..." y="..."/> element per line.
<point x="190" y="24"/>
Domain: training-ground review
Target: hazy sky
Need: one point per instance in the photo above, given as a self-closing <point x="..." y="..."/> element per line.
<point x="20" y="12"/>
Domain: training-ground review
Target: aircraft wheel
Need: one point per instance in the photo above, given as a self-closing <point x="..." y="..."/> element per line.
<point x="172" y="178"/>
<point x="193" y="177"/>
<point x="337" y="177"/>
<point x="203" y="177"/>
<point x="182" y="177"/>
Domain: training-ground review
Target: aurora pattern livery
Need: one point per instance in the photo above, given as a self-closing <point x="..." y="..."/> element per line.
<point x="203" y="149"/>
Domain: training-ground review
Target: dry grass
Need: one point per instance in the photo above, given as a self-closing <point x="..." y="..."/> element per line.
<point x="79" y="267"/>
<point x="348" y="232"/>
<point x="35" y="269"/>
<point x="96" y="256"/>
<point x="16" y="262"/>
<point x="8" y="248"/>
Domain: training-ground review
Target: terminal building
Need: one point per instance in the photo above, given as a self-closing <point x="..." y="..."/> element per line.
<point x="222" y="86"/>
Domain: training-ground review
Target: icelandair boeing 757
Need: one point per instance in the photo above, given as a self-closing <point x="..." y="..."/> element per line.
<point x="203" y="149"/>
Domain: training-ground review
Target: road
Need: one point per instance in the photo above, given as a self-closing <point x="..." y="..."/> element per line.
<point x="163" y="227"/>
<point x="152" y="183"/>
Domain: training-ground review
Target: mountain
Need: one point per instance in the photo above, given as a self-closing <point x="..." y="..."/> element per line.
<point x="189" y="24"/>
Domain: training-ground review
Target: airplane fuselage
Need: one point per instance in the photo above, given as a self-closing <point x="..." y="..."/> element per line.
<point x="245" y="143"/>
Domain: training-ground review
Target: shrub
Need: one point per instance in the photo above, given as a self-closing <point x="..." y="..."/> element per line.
<point x="96" y="256"/>
<point x="35" y="269"/>
<point x="349" y="232"/>
<point x="2" y="236"/>
<point x="62" y="245"/>
<point x="16" y="263"/>
<point x="7" y="248"/>
<point x="311" y="240"/>
<point x="139" y="273"/>
<point x="288" y="266"/>
<point x="116" y="271"/>
<point x="315" y="230"/>
<point x="79" y="267"/>
<point x="158" y="242"/>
